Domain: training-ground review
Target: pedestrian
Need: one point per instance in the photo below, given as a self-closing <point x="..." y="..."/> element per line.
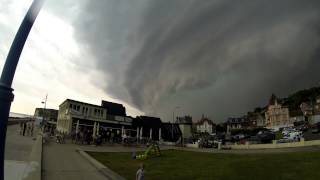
<point x="112" y="137"/>
<point x="83" y="134"/>
<point x="73" y="136"/>
<point x="140" y="173"/>
<point x="32" y="128"/>
<point x="24" y="129"/>
<point x="28" y="129"/>
<point x="21" y="128"/>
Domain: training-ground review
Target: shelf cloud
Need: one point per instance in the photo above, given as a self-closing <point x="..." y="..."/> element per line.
<point x="217" y="57"/>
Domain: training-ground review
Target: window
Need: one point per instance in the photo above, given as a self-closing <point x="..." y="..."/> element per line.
<point x="78" y="108"/>
<point x="70" y="106"/>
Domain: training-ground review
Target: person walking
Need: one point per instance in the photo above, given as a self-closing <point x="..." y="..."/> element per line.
<point x="140" y="173"/>
<point x="24" y="129"/>
<point x="28" y="129"/>
<point x="21" y="128"/>
<point x="32" y="128"/>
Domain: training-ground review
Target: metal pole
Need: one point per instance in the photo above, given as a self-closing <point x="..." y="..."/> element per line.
<point x="177" y="107"/>
<point x="44" y="112"/>
<point x="172" y="125"/>
<point x="9" y="68"/>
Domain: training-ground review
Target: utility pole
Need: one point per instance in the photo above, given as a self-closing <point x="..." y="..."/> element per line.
<point x="9" y="68"/>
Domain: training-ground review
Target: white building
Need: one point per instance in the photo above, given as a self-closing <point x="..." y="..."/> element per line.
<point x="72" y="112"/>
<point x="276" y="115"/>
<point x="205" y="125"/>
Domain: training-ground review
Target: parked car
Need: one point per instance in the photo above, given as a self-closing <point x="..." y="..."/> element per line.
<point x="315" y="130"/>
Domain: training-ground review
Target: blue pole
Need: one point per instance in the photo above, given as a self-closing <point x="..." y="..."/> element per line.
<point x="6" y="92"/>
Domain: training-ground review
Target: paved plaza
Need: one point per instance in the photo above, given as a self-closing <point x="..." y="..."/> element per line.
<point x="63" y="162"/>
<point x="17" y="153"/>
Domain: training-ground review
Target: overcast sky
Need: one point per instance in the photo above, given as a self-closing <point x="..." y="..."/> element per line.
<point x="217" y="57"/>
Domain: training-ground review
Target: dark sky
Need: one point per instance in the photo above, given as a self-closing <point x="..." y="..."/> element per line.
<point x="217" y="57"/>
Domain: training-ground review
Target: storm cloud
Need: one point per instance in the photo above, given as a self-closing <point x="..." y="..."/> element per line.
<point x="217" y="57"/>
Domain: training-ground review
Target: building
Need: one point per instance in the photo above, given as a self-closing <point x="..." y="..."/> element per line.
<point x="239" y="123"/>
<point x="147" y="127"/>
<point x="276" y="115"/>
<point x="205" y="125"/>
<point x="185" y="125"/>
<point x="256" y="119"/>
<point x="114" y="108"/>
<point x="47" y="114"/>
<point x="294" y="119"/>
<point x="72" y="112"/>
<point x="307" y="109"/>
<point x="315" y="117"/>
<point x="50" y="116"/>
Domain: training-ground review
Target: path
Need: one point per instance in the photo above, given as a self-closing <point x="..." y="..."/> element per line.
<point x="17" y="153"/>
<point x="62" y="162"/>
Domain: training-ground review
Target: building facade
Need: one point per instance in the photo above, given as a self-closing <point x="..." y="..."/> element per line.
<point x="47" y="114"/>
<point x="185" y="125"/>
<point x="72" y="112"/>
<point x="205" y="125"/>
<point x="315" y="117"/>
<point x="240" y="123"/>
<point x="276" y="115"/>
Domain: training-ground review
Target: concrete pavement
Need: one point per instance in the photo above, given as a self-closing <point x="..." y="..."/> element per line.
<point x="17" y="154"/>
<point x="62" y="162"/>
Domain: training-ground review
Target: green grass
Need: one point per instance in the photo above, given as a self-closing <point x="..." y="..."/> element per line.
<point x="174" y="164"/>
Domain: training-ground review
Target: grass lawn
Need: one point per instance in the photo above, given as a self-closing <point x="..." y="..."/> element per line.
<point x="174" y="164"/>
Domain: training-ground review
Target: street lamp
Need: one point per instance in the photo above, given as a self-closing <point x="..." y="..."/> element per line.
<point x="44" y="109"/>
<point x="177" y="107"/>
<point x="9" y="68"/>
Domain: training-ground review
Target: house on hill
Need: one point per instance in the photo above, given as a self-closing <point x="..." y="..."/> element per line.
<point x="277" y="116"/>
<point x="205" y="125"/>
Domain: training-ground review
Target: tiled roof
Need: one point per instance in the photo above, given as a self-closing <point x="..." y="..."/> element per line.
<point x="202" y="120"/>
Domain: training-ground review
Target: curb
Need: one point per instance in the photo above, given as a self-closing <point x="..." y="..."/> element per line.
<point x="100" y="167"/>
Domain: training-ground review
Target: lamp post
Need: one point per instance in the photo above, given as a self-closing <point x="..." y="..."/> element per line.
<point x="9" y="68"/>
<point x="44" y="110"/>
<point x="177" y="107"/>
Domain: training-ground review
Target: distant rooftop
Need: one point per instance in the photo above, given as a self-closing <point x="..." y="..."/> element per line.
<point x="18" y="115"/>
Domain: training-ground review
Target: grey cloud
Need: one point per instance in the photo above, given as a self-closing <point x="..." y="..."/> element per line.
<point x="218" y="57"/>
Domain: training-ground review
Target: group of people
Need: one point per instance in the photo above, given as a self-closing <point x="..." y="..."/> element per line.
<point x="26" y="128"/>
<point x="85" y="136"/>
<point x="82" y="136"/>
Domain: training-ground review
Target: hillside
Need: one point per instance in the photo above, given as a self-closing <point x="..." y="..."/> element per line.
<point x="294" y="100"/>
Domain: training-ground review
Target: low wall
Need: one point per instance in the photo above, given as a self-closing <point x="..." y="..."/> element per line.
<point x="196" y="145"/>
<point x="301" y="143"/>
<point x="168" y="143"/>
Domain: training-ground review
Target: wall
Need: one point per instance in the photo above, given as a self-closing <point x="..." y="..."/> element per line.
<point x="195" y="145"/>
<point x="185" y="130"/>
<point x="302" y="143"/>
